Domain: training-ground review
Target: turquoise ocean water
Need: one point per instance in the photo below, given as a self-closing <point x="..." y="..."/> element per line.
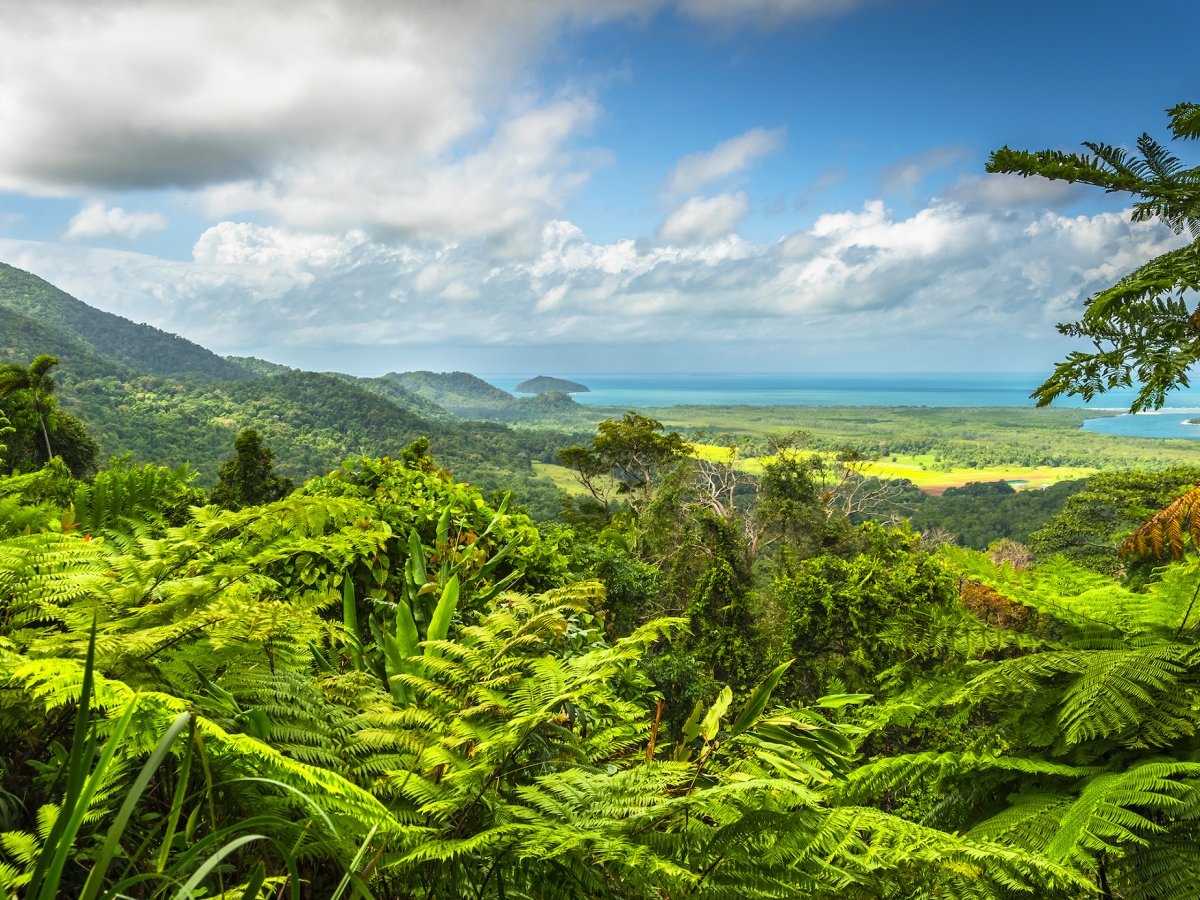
<point x="919" y="389"/>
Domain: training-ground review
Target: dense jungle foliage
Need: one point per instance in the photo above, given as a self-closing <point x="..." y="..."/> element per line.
<point x="702" y="682"/>
<point x="382" y="685"/>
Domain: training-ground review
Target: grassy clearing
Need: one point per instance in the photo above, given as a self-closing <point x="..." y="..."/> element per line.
<point x="560" y="477"/>
<point x="1020" y="477"/>
<point x="923" y="470"/>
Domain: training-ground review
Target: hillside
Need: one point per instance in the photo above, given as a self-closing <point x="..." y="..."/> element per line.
<point x="141" y="348"/>
<point x="311" y="420"/>
<point x="470" y="397"/>
<point x="384" y="386"/>
<point x="22" y="338"/>
<point x="161" y="398"/>
<point x="459" y="392"/>
<point x="257" y="366"/>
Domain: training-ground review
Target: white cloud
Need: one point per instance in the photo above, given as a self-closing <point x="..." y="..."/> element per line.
<point x="704" y="218"/>
<point x="949" y="284"/>
<point x="727" y="158"/>
<point x="414" y="120"/>
<point x="96" y="220"/>
<point x="1012" y="191"/>
<point x="502" y="191"/>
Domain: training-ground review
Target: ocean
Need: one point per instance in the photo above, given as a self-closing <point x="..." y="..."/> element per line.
<point x="899" y="389"/>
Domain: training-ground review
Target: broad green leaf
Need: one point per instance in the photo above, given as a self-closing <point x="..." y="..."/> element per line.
<point x="712" y="721"/>
<point x="439" y="625"/>
<point x="406" y="629"/>
<point x="758" y="700"/>
<point x="691" y="728"/>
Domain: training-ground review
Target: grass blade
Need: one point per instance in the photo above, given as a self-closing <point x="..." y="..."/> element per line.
<point x="100" y="868"/>
<point x="187" y="891"/>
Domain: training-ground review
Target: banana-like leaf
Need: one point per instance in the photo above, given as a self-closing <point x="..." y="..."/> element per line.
<point x="406" y="629"/>
<point x="758" y="700"/>
<point x="691" y="727"/>
<point x="712" y="721"/>
<point x="439" y="626"/>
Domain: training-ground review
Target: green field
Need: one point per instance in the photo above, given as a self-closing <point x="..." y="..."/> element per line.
<point x="938" y="438"/>
<point x="924" y="472"/>
<point x="933" y="447"/>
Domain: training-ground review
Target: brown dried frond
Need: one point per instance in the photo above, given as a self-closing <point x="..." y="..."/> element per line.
<point x="1163" y="533"/>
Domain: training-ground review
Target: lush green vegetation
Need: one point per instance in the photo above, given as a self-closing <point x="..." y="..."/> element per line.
<point x="462" y="394"/>
<point x="382" y="685"/>
<point x="41" y="310"/>
<point x="711" y="679"/>
<point x="167" y="401"/>
<point x="981" y="513"/>
<point x="937" y="439"/>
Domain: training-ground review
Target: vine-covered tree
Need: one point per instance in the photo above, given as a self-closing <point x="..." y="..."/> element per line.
<point x="1146" y="327"/>
<point x="626" y="457"/>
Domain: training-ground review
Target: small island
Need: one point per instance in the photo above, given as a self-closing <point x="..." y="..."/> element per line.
<point x="544" y="384"/>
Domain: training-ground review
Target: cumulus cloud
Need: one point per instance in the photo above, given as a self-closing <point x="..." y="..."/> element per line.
<point x="729" y="157"/>
<point x="704" y="218"/>
<point x="857" y="287"/>
<point x="96" y="220"/>
<point x="415" y="119"/>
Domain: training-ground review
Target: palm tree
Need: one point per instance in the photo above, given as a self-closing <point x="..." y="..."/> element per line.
<point x="15" y="377"/>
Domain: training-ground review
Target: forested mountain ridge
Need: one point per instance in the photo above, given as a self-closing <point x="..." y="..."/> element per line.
<point x="141" y="348"/>
<point x="312" y="421"/>
<point x="384" y="386"/>
<point x="470" y="397"/>
<point x="23" y="337"/>
<point x="164" y="399"/>
<point x="458" y="392"/>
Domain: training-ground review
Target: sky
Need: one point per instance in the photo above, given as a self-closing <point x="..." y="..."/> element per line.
<point x="581" y="186"/>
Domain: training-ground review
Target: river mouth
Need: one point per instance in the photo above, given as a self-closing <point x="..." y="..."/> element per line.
<point x="1163" y="424"/>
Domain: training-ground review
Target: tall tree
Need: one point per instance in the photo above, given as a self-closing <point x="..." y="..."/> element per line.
<point x="1146" y="327"/>
<point x="248" y="477"/>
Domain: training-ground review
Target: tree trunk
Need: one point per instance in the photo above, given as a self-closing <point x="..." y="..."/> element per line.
<point x="37" y="405"/>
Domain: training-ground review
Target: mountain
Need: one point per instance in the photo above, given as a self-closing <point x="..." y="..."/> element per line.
<point x="544" y="384"/>
<point x="256" y="366"/>
<point x="383" y="386"/>
<point x="386" y="386"/>
<point x="459" y="392"/>
<point x="141" y="348"/>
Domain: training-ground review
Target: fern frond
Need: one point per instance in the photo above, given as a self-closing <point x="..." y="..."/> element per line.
<point x="1164" y="532"/>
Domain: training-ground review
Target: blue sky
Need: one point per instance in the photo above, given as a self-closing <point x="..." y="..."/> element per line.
<point x="574" y="187"/>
